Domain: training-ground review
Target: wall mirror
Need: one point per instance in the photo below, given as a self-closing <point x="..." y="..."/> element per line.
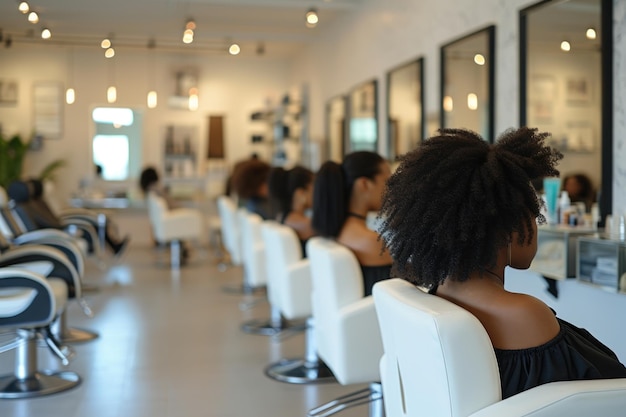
<point x="405" y="109"/>
<point x="335" y="128"/>
<point x="363" y="118"/>
<point x="566" y="86"/>
<point x="467" y="83"/>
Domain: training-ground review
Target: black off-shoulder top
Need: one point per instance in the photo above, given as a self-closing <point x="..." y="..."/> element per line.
<point x="373" y="274"/>
<point x="573" y="354"/>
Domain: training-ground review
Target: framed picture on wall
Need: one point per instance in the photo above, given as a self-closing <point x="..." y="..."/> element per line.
<point x="8" y="92"/>
<point x="47" y="106"/>
<point x="578" y="90"/>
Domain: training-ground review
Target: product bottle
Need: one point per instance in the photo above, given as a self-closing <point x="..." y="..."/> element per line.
<point x="564" y="204"/>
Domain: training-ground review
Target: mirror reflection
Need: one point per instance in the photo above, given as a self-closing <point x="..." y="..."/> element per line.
<point x="363" y="122"/>
<point x="405" y="110"/>
<point x="563" y="88"/>
<point x="336" y="127"/>
<point x="467" y="83"/>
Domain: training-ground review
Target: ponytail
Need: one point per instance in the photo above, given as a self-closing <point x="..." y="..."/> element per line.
<point x="278" y="189"/>
<point x="330" y="200"/>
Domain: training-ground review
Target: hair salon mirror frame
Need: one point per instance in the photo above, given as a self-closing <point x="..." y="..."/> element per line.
<point x="606" y="87"/>
<point x="405" y="108"/>
<point x="480" y="105"/>
<point x="362" y="126"/>
<point x="336" y="131"/>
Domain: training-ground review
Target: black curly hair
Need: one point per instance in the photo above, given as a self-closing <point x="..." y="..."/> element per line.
<point x="454" y="202"/>
<point x="148" y="177"/>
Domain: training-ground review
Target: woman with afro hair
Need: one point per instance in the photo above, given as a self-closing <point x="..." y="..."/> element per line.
<point x="457" y="212"/>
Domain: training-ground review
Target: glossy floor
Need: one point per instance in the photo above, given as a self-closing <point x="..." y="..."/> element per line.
<point x="171" y="346"/>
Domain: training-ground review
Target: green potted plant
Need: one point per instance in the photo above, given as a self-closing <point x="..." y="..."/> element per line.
<point x="12" y="152"/>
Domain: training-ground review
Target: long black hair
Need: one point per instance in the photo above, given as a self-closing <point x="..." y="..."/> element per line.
<point x="454" y="202"/>
<point x="333" y="189"/>
<point x="283" y="184"/>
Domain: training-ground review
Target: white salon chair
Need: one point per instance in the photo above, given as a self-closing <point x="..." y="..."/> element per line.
<point x="346" y="326"/>
<point x="439" y="361"/>
<point x="227" y="210"/>
<point x="255" y="271"/>
<point x="29" y="303"/>
<point x="173" y="225"/>
<point x="289" y="294"/>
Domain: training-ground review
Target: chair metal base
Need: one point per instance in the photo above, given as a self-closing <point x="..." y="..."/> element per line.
<point x="242" y="289"/>
<point x="38" y="384"/>
<point x="265" y="327"/>
<point x="74" y="335"/>
<point x="300" y="371"/>
<point x="373" y="395"/>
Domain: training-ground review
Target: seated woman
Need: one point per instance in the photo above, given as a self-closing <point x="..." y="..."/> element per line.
<point x="292" y="191"/>
<point x="459" y="211"/>
<point x="249" y="182"/>
<point x="150" y="181"/>
<point x="580" y="189"/>
<point x="342" y="197"/>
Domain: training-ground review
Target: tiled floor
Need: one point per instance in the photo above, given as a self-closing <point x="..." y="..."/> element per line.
<point x="171" y="346"/>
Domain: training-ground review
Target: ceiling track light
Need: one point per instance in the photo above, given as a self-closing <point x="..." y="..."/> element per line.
<point x="234" y="49"/>
<point x="312" y="18"/>
<point x="45" y="33"/>
<point x="109" y="53"/>
<point x="33" y="17"/>
<point x="591" y="34"/>
<point x="23" y="7"/>
<point x="566" y="46"/>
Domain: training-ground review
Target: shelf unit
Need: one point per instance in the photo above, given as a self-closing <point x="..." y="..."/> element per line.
<point x="602" y="262"/>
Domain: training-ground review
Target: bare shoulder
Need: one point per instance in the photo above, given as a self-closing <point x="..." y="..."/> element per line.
<point x="524" y="322"/>
<point x="366" y="245"/>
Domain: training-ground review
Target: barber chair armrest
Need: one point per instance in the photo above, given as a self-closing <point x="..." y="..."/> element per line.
<point x="601" y="397"/>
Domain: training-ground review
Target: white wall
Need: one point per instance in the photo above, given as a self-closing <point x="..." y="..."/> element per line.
<point x="230" y="86"/>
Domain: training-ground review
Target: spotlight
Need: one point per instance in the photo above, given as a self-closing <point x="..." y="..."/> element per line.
<point x="109" y="53"/>
<point x="479" y="59"/>
<point x="33" y="17"/>
<point x="190" y="24"/>
<point x="45" y="33"/>
<point x="23" y="7"/>
<point x="105" y="44"/>
<point x="565" y="46"/>
<point x="311" y="18"/>
<point x="111" y="94"/>
<point x="472" y="101"/>
<point x="70" y="96"/>
<point x="591" y="33"/>
<point x="234" y="49"/>
<point x="152" y="99"/>
<point x="188" y="36"/>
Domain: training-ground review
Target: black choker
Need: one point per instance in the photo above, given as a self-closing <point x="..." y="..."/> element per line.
<point x="358" y="216"/>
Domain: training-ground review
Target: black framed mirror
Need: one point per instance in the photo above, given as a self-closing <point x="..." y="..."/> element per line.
<point x="405" y="108"/>
<point x="363" y="118"/>
<point x="467" y="83"/>
<point x="336" y="109"/>
<point x="566" y="85"/>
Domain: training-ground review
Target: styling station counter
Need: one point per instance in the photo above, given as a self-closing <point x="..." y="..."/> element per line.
<point x="557" y="249"/>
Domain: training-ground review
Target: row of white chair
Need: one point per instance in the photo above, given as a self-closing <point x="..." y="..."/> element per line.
<point x="432" y="357"/>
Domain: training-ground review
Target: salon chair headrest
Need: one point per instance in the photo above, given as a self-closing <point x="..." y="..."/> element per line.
<point x="19" y="191"/>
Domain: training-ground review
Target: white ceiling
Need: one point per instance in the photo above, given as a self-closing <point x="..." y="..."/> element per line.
<point x="277" y="24"/>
